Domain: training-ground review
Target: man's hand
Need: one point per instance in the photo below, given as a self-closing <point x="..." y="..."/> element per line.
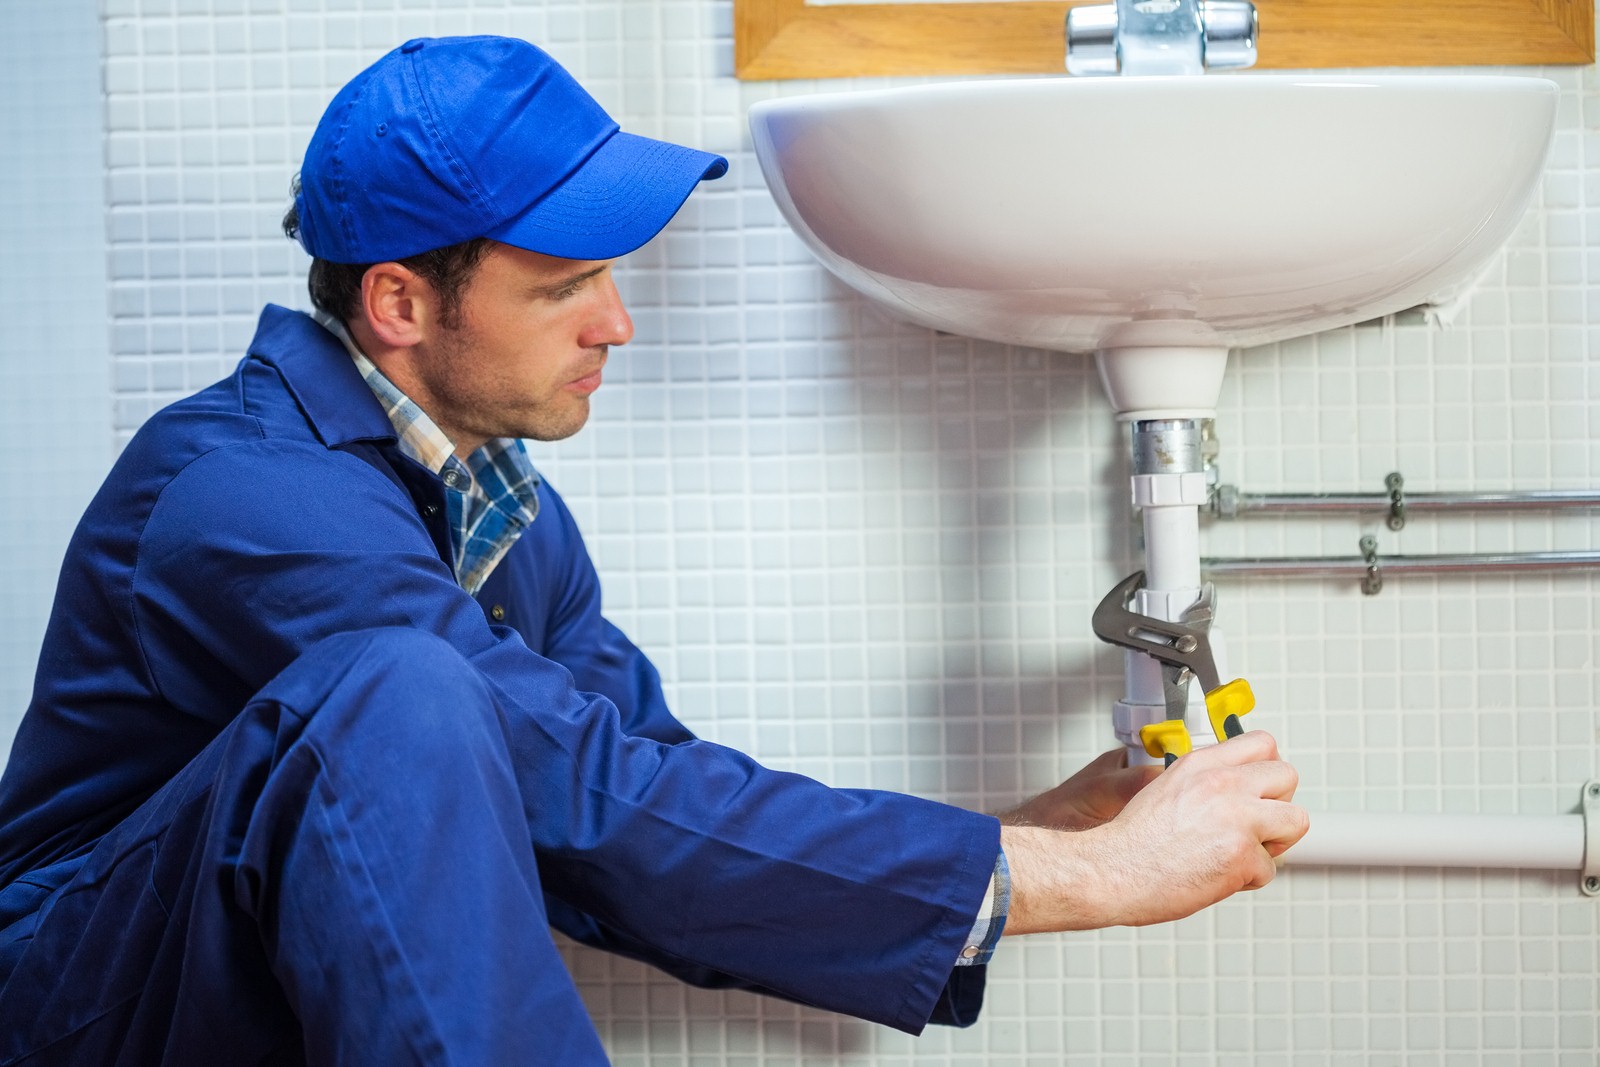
<point x="1094" y="795"/>
<point x="1207" y="827"/>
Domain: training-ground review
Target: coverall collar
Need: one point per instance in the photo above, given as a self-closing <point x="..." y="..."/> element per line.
<point x="337" y="402"/>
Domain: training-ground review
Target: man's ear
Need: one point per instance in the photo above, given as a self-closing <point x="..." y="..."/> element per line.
<point x="398" y="304"/>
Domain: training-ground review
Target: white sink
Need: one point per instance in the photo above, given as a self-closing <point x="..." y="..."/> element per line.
<point x="1174" y="217"/>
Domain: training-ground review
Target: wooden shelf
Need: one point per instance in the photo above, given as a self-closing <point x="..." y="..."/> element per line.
<point x="778" y="39"/>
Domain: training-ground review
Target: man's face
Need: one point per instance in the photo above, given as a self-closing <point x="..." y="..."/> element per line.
<point x="526" y="351"/>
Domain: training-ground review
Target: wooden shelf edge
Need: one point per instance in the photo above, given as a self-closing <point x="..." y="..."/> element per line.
<point x="786" y="39"/>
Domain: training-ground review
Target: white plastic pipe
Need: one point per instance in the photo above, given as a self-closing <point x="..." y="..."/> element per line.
<point x="1172" y="548"/>
<point x="1383" y="839"/>
<point x="1168" y="487"/>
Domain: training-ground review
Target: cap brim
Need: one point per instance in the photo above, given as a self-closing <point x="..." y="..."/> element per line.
<point x="621" y="196"/>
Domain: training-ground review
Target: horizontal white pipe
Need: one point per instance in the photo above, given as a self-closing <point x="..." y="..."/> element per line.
<point x="1384" y="839"/>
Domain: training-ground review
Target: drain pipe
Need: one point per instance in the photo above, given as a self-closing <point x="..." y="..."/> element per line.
<point x="1169" y="488"/>
<point x="1500" y="842"/>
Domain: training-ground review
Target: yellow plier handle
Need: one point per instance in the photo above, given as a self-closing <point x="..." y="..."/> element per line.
<point x="1168" y="739"/>
<point x="1225" y="706"/>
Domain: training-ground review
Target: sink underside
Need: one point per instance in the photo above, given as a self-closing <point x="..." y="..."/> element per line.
<point x="1235" y="210"/>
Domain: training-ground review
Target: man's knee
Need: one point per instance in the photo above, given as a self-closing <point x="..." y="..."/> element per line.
<point x="408" y="684"/>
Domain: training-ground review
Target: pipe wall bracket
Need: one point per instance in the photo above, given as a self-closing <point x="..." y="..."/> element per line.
<point x="1589" y="881"/>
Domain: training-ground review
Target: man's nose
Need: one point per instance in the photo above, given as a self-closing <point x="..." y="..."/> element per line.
<point x="611" y="323"/>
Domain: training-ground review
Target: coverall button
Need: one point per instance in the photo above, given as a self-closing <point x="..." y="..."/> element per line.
<point x="969" y="952"/>
<point x="497" y="613"/>
<point x="430" y="509"/>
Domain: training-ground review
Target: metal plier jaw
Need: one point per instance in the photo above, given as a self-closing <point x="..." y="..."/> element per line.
<point x="1184" y="650"/>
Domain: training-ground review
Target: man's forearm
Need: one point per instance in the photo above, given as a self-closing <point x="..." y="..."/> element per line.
<point x="1056" y="881"/>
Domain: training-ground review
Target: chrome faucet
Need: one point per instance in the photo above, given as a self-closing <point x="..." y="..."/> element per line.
<point x="1134" y="37"/>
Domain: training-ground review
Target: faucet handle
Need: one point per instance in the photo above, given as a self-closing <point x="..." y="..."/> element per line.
<point x="1095" y="47"/>
<point x="1231" y="27"/>
<point x="1092" y="40"/>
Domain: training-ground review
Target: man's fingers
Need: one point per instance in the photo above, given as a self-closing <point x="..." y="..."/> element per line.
<point x="1251" y="747"/>
<point x="1265" y="870"/>
<point x="1259" y="773"/>
<point x="1270" y="779"/>
<point x="1275" y="821"/>
<point x="1113" y="760"/>
<point x="1281" y="826"/>
<point x="1143" y="776"/>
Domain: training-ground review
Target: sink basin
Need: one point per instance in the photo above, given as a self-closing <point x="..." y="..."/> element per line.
<point x="1178" y="217"/>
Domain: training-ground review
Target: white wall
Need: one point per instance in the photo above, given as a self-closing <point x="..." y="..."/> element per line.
<point x="869" y="553"/>
<point x="55" y="371"/>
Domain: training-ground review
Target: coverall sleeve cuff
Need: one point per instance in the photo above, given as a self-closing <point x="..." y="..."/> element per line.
<point x="990" y="924"/>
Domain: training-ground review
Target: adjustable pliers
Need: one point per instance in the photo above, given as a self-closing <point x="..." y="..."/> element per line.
<point x="1184" y="651"/>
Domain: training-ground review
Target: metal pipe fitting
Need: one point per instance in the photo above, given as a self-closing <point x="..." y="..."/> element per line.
<point x="1167" y="446"/>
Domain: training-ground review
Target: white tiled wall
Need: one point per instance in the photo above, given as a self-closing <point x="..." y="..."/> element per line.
<point x="55" y="402"/>
<point x="868" y="552"/>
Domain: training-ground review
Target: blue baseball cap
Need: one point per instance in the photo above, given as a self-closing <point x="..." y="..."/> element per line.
<point x="451" y="138"/>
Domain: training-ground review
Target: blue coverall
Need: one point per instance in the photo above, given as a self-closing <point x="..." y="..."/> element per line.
<point x="273" y="798"/>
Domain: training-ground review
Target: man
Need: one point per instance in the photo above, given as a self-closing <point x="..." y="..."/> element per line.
<point x="327" y="656"/>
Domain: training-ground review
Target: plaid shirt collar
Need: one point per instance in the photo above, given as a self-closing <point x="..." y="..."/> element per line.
<point x="492" y="497"/>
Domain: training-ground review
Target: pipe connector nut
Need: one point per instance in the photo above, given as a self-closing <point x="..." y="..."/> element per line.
<point x="1165" y="603"/>
<point x="1170" y="490"/>
<point x="1225" y="504"/>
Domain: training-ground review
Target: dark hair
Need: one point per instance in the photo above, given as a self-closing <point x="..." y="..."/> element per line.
<point x="336" y="287"/>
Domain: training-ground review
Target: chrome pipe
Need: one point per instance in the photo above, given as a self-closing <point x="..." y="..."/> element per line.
<point x="1230" y="503"/>
<point x="1357" y="567"/>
